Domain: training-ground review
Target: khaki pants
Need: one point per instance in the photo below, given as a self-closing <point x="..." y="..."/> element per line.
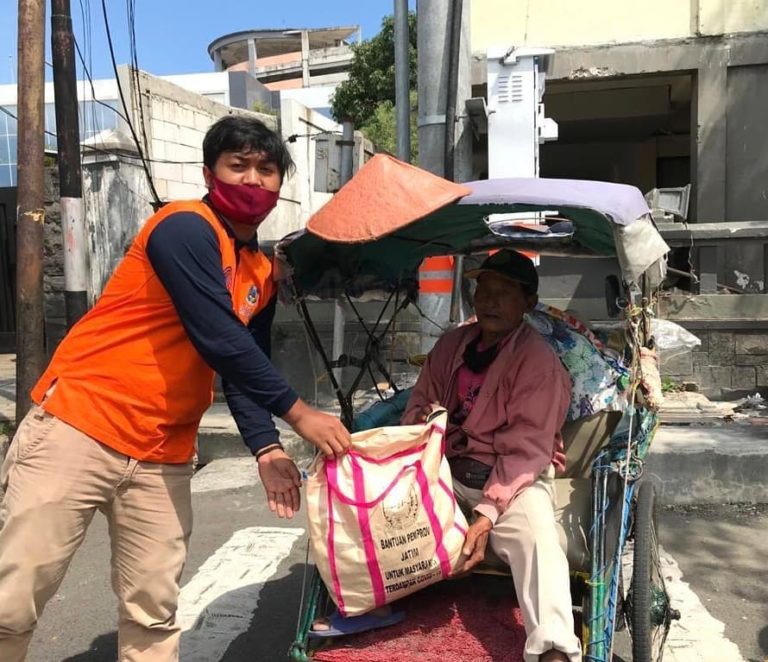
<point x="56" y="479"/>
<point x="525" y="536"/>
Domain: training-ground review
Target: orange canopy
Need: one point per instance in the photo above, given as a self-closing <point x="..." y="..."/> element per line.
<point x="384" y="196"/>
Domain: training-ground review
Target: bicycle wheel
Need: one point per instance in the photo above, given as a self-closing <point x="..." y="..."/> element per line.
<point x="647" y="604"/>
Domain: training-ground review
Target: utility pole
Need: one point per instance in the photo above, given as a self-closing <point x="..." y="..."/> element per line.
<point x="443" y="35"/>
<point x="402" y="81"/>
<point x="445" y="141"/>
<point x="70" y="174"/>
<point x="30" y="347"/>
<point x="345" y="174"/>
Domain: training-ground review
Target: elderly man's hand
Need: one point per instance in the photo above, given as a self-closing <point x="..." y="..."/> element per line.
<point x="475" y="543"/>
<point x="428" y="410"/>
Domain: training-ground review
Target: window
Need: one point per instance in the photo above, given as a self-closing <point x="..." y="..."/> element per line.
<point x="94" y="118"/>
<point x="8" y="131"/>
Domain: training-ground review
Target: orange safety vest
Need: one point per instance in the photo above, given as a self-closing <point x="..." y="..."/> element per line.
<point x="436" y="275"/>
<point x="127" y="374"/>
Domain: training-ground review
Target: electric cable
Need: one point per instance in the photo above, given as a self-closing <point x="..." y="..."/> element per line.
<point x="134" y="71"/>
<point x="121" y="155"/>
<point x="151" y="182"/>
<point x="88" y="41"/>
<point x="15" y="117"/>
<point x="93" y="89"/>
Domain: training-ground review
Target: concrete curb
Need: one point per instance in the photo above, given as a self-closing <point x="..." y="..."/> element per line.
<point x="213" y="445"/>
<point x="219" y="438"/>
<point x="689" y="464"/>
<point x="707" y="464"/>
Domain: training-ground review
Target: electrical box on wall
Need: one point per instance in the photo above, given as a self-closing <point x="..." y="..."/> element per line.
<point x="516" y="121"/>
<point x="328" y="159"/>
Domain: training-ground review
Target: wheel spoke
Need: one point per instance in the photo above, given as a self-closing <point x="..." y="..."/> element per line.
<point x="649" y="609"/>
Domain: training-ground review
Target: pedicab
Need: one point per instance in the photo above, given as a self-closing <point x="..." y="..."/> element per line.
<point x="370" y="240"/>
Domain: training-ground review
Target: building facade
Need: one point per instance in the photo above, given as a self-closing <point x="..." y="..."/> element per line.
<point x="662" y="94"/>
<point x="304" y="64"/>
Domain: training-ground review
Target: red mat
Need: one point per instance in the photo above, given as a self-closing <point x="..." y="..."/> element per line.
<point x="469" y="620"/>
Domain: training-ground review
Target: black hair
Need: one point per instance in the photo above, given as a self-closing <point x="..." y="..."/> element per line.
<point x="235" y="133"/>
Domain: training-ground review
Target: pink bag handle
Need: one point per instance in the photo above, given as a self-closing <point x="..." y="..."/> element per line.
<point x="388" y="458"/>
<point x="334" y="486"/>
<point x="355" y="457"/>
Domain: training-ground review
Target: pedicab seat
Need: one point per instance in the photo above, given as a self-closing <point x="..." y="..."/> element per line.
<point x="582" y="439"/>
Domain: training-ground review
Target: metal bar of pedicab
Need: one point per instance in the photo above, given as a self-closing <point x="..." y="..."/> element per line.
<point x="369" y="344"/>
<point x="346" y="408"/>
<point x="600" y="576"/>
<point x="373" y="339"/>
<point x="591" y="616"/>
<point x="339" y="318"/>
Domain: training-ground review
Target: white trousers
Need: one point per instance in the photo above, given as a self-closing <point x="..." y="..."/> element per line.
<point x="525" y="537"/>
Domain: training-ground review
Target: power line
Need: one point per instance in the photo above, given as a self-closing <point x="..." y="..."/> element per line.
<point x="101" y="150"/>
<point x="15" y="117"/>
<point x="125" y="105"/>
<point x="86" y="14"/>
<point x="290" y="139"/>
<point x="135" y="76"/>
<point x="93" y="89"/>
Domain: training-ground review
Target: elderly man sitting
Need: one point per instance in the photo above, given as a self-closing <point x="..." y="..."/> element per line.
<point x="507" y="396"/>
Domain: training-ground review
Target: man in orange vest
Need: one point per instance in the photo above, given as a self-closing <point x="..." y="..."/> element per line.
<point x="117" y="410"/>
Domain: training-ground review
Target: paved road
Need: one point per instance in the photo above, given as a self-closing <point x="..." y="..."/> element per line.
<point x="79" y="624"/>
<point x="242" y="584"/>
<point x="723" y="553"/>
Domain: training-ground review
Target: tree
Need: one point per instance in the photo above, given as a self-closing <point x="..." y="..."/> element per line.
<point x="367" y="97"/>
<point x="381" y="128"/>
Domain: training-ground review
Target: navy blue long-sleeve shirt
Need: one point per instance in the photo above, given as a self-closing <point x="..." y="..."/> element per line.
<point x="184" y="252"/>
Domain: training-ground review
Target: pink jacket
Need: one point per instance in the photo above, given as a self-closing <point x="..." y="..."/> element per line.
<point x="515" y="423"/>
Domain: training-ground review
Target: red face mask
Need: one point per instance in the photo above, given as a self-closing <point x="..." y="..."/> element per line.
<point x="242" y="203"/>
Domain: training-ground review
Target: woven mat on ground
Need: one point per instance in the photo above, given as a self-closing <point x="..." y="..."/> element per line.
<point x="469" y="620"/>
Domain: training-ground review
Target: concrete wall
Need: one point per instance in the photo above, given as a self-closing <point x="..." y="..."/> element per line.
<point x="298" y="199"/>
<point x="568" y="23"/>
<point x="245" y="92"/>
<point x="312" y="97"/>
<point x="302" y="366"/>
<point x="175" y="121"/>
<point x="733" y="357"/>
<point x="746" y="172"/>
<point x="117" y="200"/>
<point x="713" y="17"/>
<point x="728" y="363"/>
<point x="728" y="141"/>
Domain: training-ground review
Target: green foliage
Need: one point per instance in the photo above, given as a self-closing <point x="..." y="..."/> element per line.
<point x="381" y="128"/>
<point x="263" y="108"/>
<point x="669" y="385"/>
<point x="372" y="75"/>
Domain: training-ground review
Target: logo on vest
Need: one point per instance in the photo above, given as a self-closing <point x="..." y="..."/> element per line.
<point x="251" y="301"/>
<point x="228" y="277"/>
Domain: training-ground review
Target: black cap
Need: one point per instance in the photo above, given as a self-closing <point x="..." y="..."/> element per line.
<point x="512" y="265"/>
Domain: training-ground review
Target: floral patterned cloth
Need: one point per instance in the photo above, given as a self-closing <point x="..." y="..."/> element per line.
<point x="599" y="379"/>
